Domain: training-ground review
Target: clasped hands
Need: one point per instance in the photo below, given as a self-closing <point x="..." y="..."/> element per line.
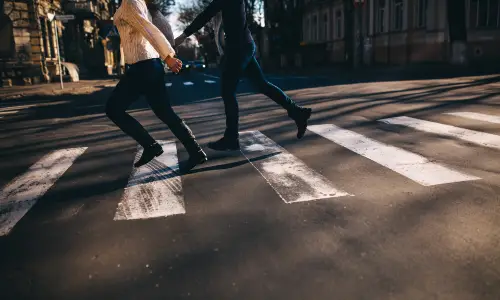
<point x="173" y="63"/>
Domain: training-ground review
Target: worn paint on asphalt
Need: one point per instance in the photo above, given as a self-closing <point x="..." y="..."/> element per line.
<point x="155" y="189"/>
<point x="17" y="198"/>
<point x="408" y="164"/>
<point x="476" y="116"/>
<point x="292" y="179"/>
<point x="472" y="136"/>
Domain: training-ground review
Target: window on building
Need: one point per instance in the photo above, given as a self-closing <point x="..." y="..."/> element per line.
<point x="324" y="27"/>
<point x="314" y="28"/>
<point x="397" y="22"/>
<point x="307" y="28"/>
<point x="7" y="47"/>
<point x="421" y="13"/>
<point x="484" y="13"/>
<point x="46" y="47"/>
<point x="51" y="37"/>
<point x="381" y="15"/>
<point x="338" y="24"/>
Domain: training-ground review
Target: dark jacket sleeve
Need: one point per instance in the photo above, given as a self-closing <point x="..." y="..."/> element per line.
<point x="205" y="16"/>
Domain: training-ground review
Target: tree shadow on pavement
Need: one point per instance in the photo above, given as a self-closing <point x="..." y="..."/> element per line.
<point x="365" y="251"/>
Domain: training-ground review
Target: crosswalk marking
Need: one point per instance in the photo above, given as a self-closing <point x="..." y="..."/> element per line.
<point x="292" y="180"/>
<point x="188" y="83"/>
<point x="17" y="198"/>
<point x="155" y="189"/>
<point x="168" y="84"/>
<point x="211" y="76"/>
<point x="209" y="81"/>
<point x="476" y="137"/>
<point x="8" y="112"/>
<point x="476" y="116"/>
<point x="406" y="163"/>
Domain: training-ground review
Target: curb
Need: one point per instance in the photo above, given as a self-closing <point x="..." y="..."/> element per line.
<point x="55" y="92"/>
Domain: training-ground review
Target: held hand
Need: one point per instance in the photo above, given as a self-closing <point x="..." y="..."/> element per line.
<point x="174" y="64"/>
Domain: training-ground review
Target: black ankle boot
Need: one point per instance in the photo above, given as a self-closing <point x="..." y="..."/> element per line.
<point x="300" y="115"/>
<point x="149" y="153"/>
<point x="225" y="144"/>
<point x="196" y="155"/>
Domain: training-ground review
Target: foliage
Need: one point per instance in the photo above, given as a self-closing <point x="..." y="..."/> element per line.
<point x="164" y="6"/>
<point x="189" y="11"/>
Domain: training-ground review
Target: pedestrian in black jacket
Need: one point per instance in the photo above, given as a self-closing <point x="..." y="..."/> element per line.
<point x="239" y="60"/>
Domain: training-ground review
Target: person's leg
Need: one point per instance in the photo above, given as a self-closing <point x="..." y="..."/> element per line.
<point x="126" y="92"/>
<point x="299" y="114"/>
<point x="232" y="69"/>
<point x="159" y="101"/>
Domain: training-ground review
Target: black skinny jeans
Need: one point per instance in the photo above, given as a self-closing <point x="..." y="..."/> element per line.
<point x="237" y="63"/>
<point x="142" y="78"/>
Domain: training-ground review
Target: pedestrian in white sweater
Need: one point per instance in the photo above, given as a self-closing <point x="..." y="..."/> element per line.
<point x="144" y="47"/>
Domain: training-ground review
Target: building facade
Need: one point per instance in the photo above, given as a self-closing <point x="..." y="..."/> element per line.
<point x="29" y="50"/>
<point x="281" y="36"/>
<point x="389" y="32"/>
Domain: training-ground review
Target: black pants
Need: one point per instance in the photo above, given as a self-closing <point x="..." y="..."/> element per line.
<point x="142" y="78"/>
<point x="235" y="64"/>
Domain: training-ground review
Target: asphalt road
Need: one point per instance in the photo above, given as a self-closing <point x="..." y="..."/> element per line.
<point x="381" y="199"/>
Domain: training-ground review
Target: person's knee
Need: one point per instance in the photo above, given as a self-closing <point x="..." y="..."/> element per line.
<point x="111" y="110"/>
<point x="264" y="85"/>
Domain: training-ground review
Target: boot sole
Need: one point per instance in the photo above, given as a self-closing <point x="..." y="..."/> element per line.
<point x="156" y="155"/>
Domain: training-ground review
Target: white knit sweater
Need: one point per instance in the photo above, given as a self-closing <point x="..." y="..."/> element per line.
<point x="140" y="38"/>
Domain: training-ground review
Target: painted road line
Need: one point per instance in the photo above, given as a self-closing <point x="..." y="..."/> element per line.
<point x="472" y="136"/>
<point x="210" y="81"/>
<point x="168" y="84"/>
<point x="408" y="164"/>
<point x="155" y="189"/>
<point x="211" y="76"/>
<point x="476" y="116"/>
<point x="292" y="179"/>
<point x="188" y="83"/>
<point x="17" y="198"/>
<point x="8" y="113"/>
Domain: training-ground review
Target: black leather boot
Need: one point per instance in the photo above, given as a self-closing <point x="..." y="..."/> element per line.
<point x="149" y="153"/>
<point x="300" y="115"/>
<point x="196" y="154"/>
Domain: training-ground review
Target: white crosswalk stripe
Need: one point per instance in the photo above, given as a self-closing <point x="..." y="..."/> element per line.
<point x="188" y="83"/>
<point x="411" y="165"/>
<point x="292" y="180"/>
<point x="210" y="81"/>
<point x="476" y="116"/>
<point x="475" y="137"/>
<point x="155" y="189"/>
<point x="168" y="84"/>
<point x="8" y="112"/>
<point x="17" y="198"/>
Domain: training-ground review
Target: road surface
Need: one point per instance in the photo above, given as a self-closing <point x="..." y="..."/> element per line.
<point x="393" y="193"/>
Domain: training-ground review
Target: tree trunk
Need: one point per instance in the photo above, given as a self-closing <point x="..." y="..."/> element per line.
<point x="457" y="30"/>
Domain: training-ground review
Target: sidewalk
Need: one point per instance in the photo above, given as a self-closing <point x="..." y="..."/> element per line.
<point x="52" y="89"/>
<point x="388" y="73"/>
